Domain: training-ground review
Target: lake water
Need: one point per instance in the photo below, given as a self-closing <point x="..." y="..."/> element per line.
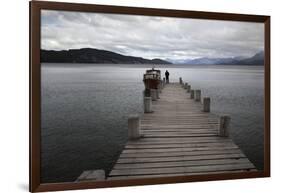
<point x="85" y="109"/>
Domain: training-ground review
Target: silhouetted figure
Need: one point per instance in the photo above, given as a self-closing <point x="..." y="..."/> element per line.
<point x="167" y="76"/>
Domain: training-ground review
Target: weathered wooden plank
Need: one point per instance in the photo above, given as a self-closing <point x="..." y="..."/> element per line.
<point x="178" y="149"/>
<point x="183" y="170"/>
<point x="179" y="153"/>
<point x="178" y="122"/>
<point x="179" y="116"/>
<point x="142" y="176"/>
<point x="170" y="127"/>
<point x="175" y="119"/>
<point x="179" y="135"/>
<point x="194" y="143"/>
<point x="181" y="163"/>
<point x="179" y="131"/>
<point x="180" y="125"/>
<point x="186" y="138"/>
<point x="183" y="139"/>
<point x="153" y="130"/>
<point x="182" y="117"/>
<point x="175" y="174"/>
<point x="173" y="145"/>
<point x="179" y="158"/>
<point x="185" y="127"/>
<point x="179" y="128"/>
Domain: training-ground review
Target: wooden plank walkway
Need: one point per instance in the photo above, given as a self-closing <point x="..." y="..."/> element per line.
<point x="178" y="139"/>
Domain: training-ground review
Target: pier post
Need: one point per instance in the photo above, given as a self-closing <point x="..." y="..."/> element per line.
<point x="188" y="88"/>
<point x="185" y="85"/>
<point x="206" y="104"/>
<point x="157" y="93"/>
<point x="180" y="79"/>
<point x="197" y="96"/>
<point x="224" y="123"/>
<point x="153" y="94"/>
<point x="146" y="93"/>
<point x="133" y="127"/>
<point x="192" y="94"/>
<point x="147" y="104"/>
<point x="164" y="80"/>
<point x="160" y="87"/>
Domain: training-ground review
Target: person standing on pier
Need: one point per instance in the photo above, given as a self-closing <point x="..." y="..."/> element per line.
<point x="167" y="76"/>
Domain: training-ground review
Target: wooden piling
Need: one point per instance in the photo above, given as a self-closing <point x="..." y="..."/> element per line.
<point x="185" y="85"/>
<point x="188" y="88"/>
<point x="147" y="102"/>
<point x="180" y="80"/>
<point x="160" y="87"/>
<point x="192" y="94"/>
<point x="133" y="127"/>
<point x="146" y="93"/>
<point x="162" y="84"/>
<point x="153" y="94"/>
<point x="197" y="96"/>
<point x="206" y="104"/>
<point x="224" y="122"/>
<point x="157" y="93"/>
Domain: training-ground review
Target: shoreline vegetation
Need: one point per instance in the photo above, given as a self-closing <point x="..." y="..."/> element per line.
<point x="96" y="56"/>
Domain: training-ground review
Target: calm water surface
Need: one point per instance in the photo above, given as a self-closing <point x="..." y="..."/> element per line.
<point x="85" y="109"/>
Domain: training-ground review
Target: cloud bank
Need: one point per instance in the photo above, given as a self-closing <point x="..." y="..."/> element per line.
<point x="150" y="37"/>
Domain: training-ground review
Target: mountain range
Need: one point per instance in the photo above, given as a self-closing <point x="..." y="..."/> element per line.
<point x="91" y="55"/>
<point x="257" y="59"/>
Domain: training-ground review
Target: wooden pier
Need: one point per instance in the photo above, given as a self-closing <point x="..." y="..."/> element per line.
<point x="179" y="137"/>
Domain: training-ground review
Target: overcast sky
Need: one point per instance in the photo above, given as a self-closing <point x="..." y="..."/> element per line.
<point x="150" y="37"/>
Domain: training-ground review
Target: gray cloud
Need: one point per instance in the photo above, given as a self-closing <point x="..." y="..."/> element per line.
<point x="150" y="37"/>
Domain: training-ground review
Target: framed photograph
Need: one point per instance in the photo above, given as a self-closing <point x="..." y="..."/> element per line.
<point x="123" y="96"/>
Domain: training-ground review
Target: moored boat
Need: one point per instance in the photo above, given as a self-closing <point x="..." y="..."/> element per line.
<point x="152" y="79"/>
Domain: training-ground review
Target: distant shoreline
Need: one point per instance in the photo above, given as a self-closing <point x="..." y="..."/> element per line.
<point x="91" y="56"/>
<point x="150" y="65"/>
